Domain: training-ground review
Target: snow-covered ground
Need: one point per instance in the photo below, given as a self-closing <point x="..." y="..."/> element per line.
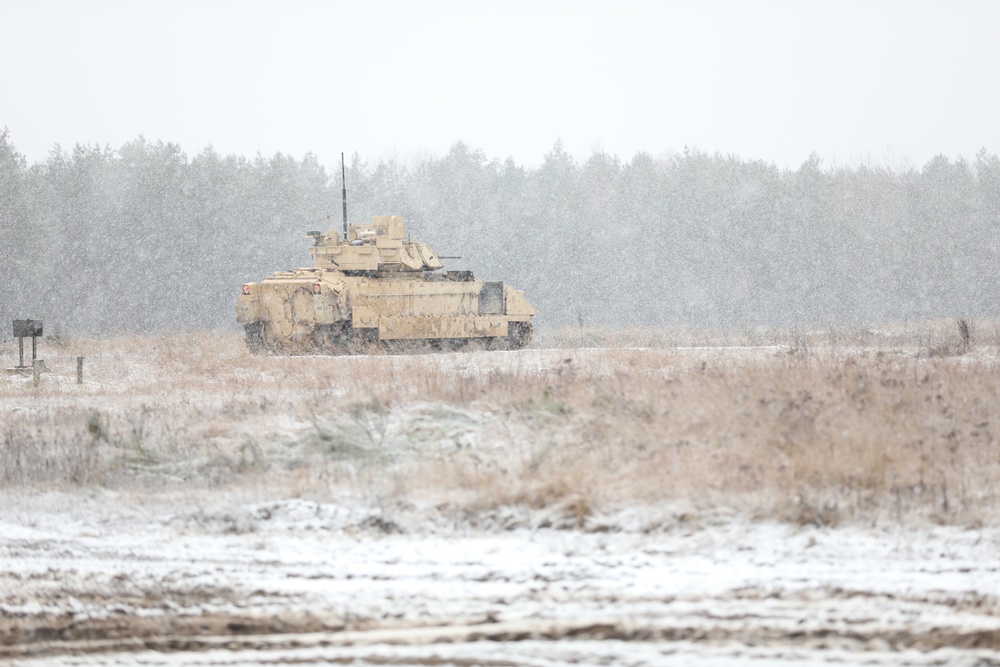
<point x="112" y="578"/>
<point x="243" y="510"/>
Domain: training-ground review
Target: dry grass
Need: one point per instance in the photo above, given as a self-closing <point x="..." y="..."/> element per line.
<point x="926" y="337"/>
<point x="892" y="423"/>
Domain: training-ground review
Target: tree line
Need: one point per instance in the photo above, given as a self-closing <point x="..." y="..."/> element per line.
<point x="144" y="238"/>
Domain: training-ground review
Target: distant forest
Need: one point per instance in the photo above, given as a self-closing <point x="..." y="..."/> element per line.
<point x="145" y="237"/>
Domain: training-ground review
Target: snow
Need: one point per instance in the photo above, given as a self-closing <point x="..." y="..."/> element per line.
<point x="403" y="587"/>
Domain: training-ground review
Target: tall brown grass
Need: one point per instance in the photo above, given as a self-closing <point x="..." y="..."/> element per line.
<point x="818" y="427"/>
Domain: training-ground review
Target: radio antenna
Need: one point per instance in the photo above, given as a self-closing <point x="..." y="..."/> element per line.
<point x="343" y="183"/>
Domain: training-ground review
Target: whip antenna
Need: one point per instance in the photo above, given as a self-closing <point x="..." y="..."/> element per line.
<point x="343" y="183"/>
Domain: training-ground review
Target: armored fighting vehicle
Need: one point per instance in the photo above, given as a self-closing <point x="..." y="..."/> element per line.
<point x="371" y="287"/>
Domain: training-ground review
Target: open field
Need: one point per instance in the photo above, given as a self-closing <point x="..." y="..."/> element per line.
<point x="751" y="497"/>
<point x="883" y="429"/>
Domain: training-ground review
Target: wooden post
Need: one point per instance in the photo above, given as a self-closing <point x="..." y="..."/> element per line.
<point x="36" y="370"/>
<point x="79" y="370"/>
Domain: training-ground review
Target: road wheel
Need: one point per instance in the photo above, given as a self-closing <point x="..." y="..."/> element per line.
<point x="252" y="334"/>
<point x="518" y="335"/>
<point x="361" y="341"/>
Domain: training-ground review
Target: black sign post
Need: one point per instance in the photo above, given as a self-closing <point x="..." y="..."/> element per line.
<point x="23" y="329"/>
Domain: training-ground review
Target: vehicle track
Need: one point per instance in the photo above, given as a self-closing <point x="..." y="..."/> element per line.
<point x="242" y="635"/>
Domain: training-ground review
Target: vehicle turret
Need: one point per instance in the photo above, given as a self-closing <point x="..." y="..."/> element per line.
<point x="380" y="245"/>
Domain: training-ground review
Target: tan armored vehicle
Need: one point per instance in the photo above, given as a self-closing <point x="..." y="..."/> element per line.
<point x="374" y="287"/>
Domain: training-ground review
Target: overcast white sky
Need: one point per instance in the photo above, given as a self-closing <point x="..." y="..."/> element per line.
<point x="852" y="80"/>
